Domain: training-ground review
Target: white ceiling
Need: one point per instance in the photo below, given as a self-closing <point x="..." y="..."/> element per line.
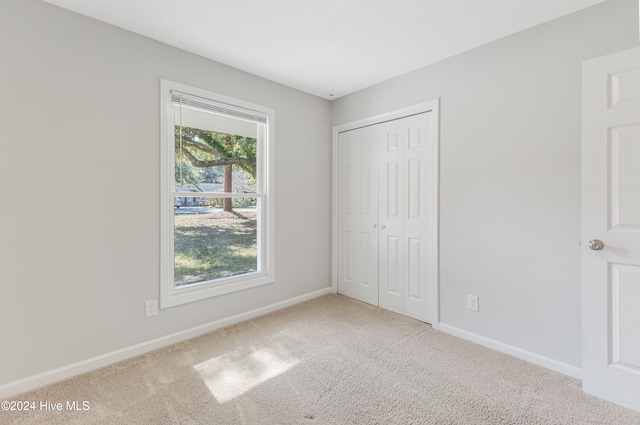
<point x="328" y="48"/>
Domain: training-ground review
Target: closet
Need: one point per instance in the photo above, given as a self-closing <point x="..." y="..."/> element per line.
<point x="386" y="238"/>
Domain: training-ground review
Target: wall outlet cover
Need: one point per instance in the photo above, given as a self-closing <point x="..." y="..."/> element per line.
<point x="472" y="302"/>
<point x="151" y="308"/>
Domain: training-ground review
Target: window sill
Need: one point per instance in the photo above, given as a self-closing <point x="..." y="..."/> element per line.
<point x="196" y="292"/>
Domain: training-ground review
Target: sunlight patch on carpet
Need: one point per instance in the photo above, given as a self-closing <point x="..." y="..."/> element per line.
<point x="233" y="374"/>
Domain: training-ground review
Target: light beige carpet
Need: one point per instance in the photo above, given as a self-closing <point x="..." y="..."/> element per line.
<point x="331" y="360"/>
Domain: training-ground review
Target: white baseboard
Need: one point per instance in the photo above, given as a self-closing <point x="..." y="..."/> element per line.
<point x="64" y="372"/>
<point x="549" y="363"/>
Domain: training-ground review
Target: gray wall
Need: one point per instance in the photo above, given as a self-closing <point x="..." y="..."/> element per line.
<point x="510" y="174"/>
<point x="79" y="223"/>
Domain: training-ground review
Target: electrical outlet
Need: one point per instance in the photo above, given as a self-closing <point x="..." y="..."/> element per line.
<point x="151" y="308"/>
<point x="472" y="302"/>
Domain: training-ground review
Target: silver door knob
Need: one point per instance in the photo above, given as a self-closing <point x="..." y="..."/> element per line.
<point x="596" y="245"/>
<point x="375" y="225"/>
<point x="384" y="227"/>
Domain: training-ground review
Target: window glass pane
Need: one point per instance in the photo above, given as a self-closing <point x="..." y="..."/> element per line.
<point x="210" y="158"/>
<point x="224" y="178"/>
<point x="210" y="243"/>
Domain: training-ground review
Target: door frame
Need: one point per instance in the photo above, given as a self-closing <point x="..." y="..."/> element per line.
<point x="432" y="106"/>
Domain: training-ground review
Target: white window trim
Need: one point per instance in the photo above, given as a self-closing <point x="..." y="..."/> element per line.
<point x="170" y="295"/>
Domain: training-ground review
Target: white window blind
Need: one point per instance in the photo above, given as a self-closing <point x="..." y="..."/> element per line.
<point x="187" y="100"/>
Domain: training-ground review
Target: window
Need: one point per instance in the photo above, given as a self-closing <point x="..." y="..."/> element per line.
<point x="216" y="195"/>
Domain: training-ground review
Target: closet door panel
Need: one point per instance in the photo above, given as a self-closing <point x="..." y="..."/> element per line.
<point x="391" y="215"/>
<point x="347" y="215"/>
<point x="419" y="240"/>
<point x="368" y="215"/>
<point x="358" y="216"/>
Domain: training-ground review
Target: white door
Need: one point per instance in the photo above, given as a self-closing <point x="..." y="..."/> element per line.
<point x="392" y="139"/>
<point x="407" y="185"/>
<point x="611" y="227"/>
<point x="419" y="222"/>
<point x="386" y="215"/>
<point x="358" y="215"/>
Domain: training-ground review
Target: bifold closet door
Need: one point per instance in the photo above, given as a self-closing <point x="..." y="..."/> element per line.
<point x="358" y="215"/>
<point x="385" y="213"/>
<point x="418" y="207"/>
<point x="405" y="215"/>
<point x="391" y="215"/>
